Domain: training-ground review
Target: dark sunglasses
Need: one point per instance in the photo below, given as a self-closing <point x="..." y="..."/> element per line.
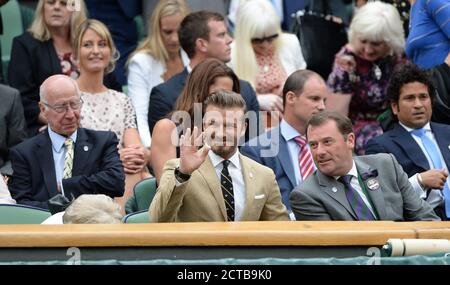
<point x="269" y="39"/>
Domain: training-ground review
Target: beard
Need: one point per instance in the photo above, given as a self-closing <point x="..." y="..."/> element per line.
<point x="224" y="151"/>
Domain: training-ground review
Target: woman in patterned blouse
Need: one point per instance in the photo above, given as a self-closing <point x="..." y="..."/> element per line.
<point x="362" y="68"/>
<point x="263" y="55"/>
<point x="106" y="109"/>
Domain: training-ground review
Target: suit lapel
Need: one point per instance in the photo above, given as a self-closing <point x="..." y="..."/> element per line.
<point x="442" y="136"/>
<point x="81" y="152"/>
<point x="375" y="195"/>
<point x="249" y="176"/>
<point x="209" y="174"/>
<point x="45" y="155"/>
<point x="285" y="159"/>
<point x="328" y="184"/>
<point x="406" y="142"/>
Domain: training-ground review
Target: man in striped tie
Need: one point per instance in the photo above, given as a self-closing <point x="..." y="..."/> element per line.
<point x="64" y="159"/>
<point x="353" y="188"/>
<point x="284" y="148"/>
<point x="212" y="181"/>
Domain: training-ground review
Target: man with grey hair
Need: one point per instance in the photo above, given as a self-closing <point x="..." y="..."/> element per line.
<point x="65" y="159"/>
<point x="93" y="209"/>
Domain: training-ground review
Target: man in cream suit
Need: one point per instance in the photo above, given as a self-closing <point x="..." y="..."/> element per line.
<point x="347" y="188"/>
<point x="221" y="184"/>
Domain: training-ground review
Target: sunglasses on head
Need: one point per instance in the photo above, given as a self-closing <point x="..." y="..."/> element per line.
<point x="269" y="39"/>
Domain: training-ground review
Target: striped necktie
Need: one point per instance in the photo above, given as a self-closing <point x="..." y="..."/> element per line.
<point x="356" y="202"/>
<point x="227" y="190"/>
<point x="305" y="159"/>
<point x="68" y="159"/>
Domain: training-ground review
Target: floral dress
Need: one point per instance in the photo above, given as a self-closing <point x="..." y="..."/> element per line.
<point x="366" y="82"/>
<point x="69" y="65"/>
<point x="108" y="111"/>
<point x="270" y="79"/>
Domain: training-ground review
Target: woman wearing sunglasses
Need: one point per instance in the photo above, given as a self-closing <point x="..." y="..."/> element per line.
<point x="263" y="55"/>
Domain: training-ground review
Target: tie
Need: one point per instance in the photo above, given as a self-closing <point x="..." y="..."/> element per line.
<point x="356" y="202"/>
<point x="68" y="159"/>
<point x="433" y="153"/>
<point x="305" y="159"/>
<point x="227" y="190"/>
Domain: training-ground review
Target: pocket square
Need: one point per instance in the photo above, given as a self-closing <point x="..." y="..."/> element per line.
<point x="258" y="197"/>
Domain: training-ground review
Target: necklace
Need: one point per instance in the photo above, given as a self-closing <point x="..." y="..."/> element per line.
<point x="377" y="71"/>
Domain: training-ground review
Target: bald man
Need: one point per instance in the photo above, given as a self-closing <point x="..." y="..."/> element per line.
<point x="65" y="159"/>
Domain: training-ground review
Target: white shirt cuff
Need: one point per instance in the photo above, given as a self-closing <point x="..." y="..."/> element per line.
<point x="416" y="186"/>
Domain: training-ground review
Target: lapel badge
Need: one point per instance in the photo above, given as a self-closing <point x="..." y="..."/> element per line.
<point x="373" y="184"/>
<point x="85" y="148"/>
<point x="334" y="189"/>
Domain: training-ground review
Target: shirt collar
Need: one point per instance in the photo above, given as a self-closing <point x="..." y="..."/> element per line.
<point x="427" y="127"/>
<point x="58" y="140"/>
<point x="189" y="68"/>
<point x="216" y="159"/>
<point x="287" y="131"/>
<point x="353" y="171"/>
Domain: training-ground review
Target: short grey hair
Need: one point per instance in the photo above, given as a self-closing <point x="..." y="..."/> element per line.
<point x="93" y="209"/>
<point x="42" y="91"/>
<point x="378" y="21"/>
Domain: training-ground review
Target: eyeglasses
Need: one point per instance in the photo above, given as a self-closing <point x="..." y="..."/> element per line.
<point x="268" y="39"/>
<point x="74" y="105"/>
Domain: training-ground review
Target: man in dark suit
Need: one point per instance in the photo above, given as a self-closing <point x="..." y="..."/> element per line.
<point x="202" y="35"/>
<point x="64" y="158"/>
<point x="347" y="188"/>
<point x="12" y="125"/>
<point x="304" y="94"/>
<point x="421" y="147"/>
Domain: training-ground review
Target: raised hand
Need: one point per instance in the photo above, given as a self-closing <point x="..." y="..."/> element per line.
<point x="190" y="156"/>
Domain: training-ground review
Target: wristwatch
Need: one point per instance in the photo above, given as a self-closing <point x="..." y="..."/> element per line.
<point x="180" y="176"/>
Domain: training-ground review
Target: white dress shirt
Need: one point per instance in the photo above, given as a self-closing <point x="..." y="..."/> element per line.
<point x="5" y="195"/>
<point x="355" y="184"/>
<point x="289" y="134"/>
<point x="144" y="73"/>
<point x="235" y="170"/>
<point x="59" y="153"/>
<point x="435" y="198"/>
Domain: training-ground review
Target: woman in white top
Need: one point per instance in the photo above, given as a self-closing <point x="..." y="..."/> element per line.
<point x="105" y="109"/>
<point x="262" y="54"/>
<point x="156" y="59"/>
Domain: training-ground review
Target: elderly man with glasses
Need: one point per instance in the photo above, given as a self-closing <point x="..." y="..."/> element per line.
<point x="65" y="159"/>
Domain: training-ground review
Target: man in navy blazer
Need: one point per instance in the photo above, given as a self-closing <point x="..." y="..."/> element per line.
<point x="304" y="94"/>
<point x="42" y="167"/>
<point x="410" y="93"/>
<point x="202" y="35"/>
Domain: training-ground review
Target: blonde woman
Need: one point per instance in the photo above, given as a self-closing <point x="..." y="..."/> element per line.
<point x="262" y="54"/>
<point x="156" y="59"/>
<point x="44" y="50"/>
<point x="106" y="109"/>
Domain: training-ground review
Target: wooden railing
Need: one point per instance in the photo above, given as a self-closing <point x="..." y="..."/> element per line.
<point x="219" y="234"/>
